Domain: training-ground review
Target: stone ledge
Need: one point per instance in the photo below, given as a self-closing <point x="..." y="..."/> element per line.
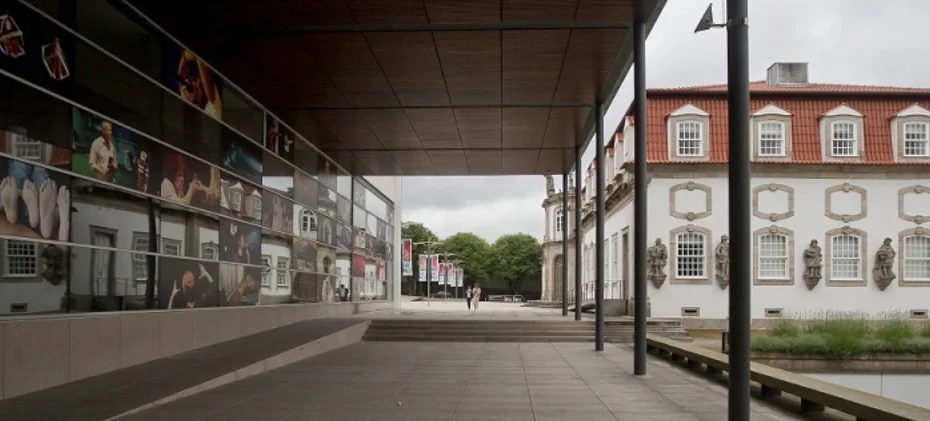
<point x="880" y="363"/>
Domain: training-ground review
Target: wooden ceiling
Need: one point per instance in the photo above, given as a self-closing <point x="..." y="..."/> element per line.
<point x="421" y="87"/>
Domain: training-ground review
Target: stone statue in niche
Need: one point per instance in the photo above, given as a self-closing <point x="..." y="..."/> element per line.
<point x="813" y="262"/>
<point x="54" y="264"/>
<point x="550" y="185"/>
<point x="722" y="256"/>
<point x="884" y="260"/>
<point x="658" y="258"/>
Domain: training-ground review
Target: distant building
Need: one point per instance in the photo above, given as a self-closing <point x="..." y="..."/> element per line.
<point x="845" y="165"/>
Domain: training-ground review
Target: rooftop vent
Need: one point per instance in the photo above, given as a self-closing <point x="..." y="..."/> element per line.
<point x="786" y="74"/>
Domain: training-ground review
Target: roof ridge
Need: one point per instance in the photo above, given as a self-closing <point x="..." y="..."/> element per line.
<point x="762" y="86"/>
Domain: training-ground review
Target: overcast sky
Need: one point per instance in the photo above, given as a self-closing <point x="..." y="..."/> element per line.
<point x="845" y="41"/>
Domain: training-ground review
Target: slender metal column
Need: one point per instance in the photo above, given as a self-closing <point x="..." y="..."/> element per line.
<point x="599" y="229"/>
<point x="564" y="232"/>
<point x="740" y="210"/>
<point x="640" y="200"/>
<point x="579" y="237"/>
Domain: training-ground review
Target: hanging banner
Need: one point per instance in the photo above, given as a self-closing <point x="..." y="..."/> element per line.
<point x="450" y="274"/>
<point x="421" y="276"/>
<point x="442" y="274"/>
<point x="434" y="268"/>
<point x="460" y="277"/>
<point x="406" y="258"/>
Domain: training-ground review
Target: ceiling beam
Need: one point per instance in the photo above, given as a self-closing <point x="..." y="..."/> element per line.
<point x="424" y="106"/>
<point x="419" y="27"/>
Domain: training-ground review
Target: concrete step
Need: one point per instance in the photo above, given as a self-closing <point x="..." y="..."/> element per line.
<point x="481" y="338"/>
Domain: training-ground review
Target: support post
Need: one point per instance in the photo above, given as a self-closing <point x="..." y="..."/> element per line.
<point x="740" y="210"/>
<point x="579" y="236"/>
<point x="640" y="197"/>
<point x="564" y="231"/>
<point x="599" y="228"/>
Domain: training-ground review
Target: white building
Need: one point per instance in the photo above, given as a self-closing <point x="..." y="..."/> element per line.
<point x="844" y="165"/>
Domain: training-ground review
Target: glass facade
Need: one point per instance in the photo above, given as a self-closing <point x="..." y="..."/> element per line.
<point x="133" y="176"/>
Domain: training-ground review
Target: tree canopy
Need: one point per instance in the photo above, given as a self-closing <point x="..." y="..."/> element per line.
<point x="513" y="258"/>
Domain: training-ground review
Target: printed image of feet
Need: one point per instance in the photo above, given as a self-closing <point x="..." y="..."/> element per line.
<point x="34" y="202"/>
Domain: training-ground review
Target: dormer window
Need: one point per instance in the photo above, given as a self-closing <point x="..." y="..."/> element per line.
<point x="690" y="140"/>
<point x="688" y="134"/>
<point x="771" y="133"/>
<point x="910" y="130"/>
<point x="843" y="139"/>
<point x="841" y="132"/>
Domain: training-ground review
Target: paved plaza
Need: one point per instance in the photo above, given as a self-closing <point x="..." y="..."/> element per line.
<point x="387" y="381"/>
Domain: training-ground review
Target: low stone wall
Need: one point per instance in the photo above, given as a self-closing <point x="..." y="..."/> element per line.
<point x="39" y="352"/>
<point x="881" y="363"/>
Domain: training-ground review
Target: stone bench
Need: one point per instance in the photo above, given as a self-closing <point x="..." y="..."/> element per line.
<point x="815" y="394"/>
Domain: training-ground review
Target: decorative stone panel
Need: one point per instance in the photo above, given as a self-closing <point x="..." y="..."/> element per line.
<point x="845" y="188"/>
<point x="689" y="186"/>
<point x="864" y="258"/>
<point x="902" y="279"/>
<point x="902" y="209"/>
<point x="773" y="188"/>
<point x="756" y="235"/>
<point x="708" y="255"/>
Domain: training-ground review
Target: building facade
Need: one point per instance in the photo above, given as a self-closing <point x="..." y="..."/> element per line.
<point x="840" y="199"/>
<point x="559" y="223"/>
<point x="145" y="199"/>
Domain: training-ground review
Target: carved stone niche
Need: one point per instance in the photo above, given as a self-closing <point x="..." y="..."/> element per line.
<point x="704" y="204"/>
<point x="831" y="196"/>
<point x="764" y="197"/>
<point x="911" y="200"/>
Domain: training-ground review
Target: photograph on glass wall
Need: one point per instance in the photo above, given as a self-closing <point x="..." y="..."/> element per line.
<point x="344" y="210"/>
<point x="306" y="190"/>
<point x="278" y="213"/>
<point x="305" y="254"/>
<point x="358" y="195"/>
<point x="240" y="243"/>
<point x="327" y="202"/>
<point x="14" y="140"/>
<point x="35" y="201"/>
<point x="382" y="230"/>
<point x="189" y="181"/>
<point x="239" y="285"/>
<point x="358" y="266"/>
<point x="12" y="42"/>
<point x="279" y="138"/>
<point x="56" y="62"/>
<point x="360" y="241"/>
<point x="326" y="172"/>
<point x="111" y="153"/>
<point x="343" y="237"/>
<point x="326" y="231"/>
<point x="242" y="157"/>
<point x="187" y="283"/>
<point x="192" y="79"/>
<point x="239" y="199"/>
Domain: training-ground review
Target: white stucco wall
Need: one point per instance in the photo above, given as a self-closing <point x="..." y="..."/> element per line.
<point x="393" y="188"/>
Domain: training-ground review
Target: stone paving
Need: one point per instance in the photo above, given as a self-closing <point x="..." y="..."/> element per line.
<point x="387" y="381"/>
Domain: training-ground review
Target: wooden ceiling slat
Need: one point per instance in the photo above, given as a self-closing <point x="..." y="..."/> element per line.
<point x="519" y="161"/>
<point x="435" y="126"/>
<point x="463" y="11"/>
<point x="605" y="10"/>
<point x="539" y="10"/>
<point x="380" y="162"/>
<point x="590" y="54"/>
<point x="411" y="65"/>
<point x="479" y="127"/>
<point x="471" y="63"/>
<point x="349" y="128"/>
<point x="350" y="65"/>
<point x="414" y="162"/>
<point x="550" y="161"/>
<point x="532" y="63"/>
<point x="524" y="127"/>
<point x="392" y="128"/>
<point x="563" y="126"/>
<point x="387" y="11"/>
<point x="448" y="162"/>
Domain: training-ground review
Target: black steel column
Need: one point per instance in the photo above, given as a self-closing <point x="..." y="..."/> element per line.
<point x="579" y="238"/>
<point x="599" y="228"/>
<point x="640" y="208"/>
<point x="740" y="210"/>
<point x="564" y="232"/>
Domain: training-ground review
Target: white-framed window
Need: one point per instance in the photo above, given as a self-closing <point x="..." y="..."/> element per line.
<point x="307" y="221"/>
<point x="171" y="247"/>
<point x="22" y="258"/>
<point x="283" y="274"/>
<point x="916" y="258"/>
<point x="257" y="207"/>
<point x="690" y="255"/>
<point x="209" y="251"/>
<point x="916" y="139"/>
<point x="845" y="258"/>
<point x="25" y="147"/>
<point x="843" y="139"/>
<point x="140" y="266"/>
<point x="235" y="199"/>
<point x="615" y="257"/>
<point x="266" y="270"/>
<point x="690" y="141"/>
<point x="771" y="138"/>
<point x="773" y="256"/>
<point x="559" y="219"/>
<point x="606" y="247"/>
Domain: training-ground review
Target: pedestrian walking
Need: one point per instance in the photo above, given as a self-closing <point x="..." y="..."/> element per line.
<point x="476" y="295"/>
<point x="468" y="297"/>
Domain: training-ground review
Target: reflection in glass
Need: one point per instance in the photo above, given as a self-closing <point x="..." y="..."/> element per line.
<point x="327" y="202"/>
<point x="278" y="213"/>
<point x="359" y="217"/>
<point x="36" y="278"/>
<point x="239" y="199"/>
<point x="275" y="275"/>
<point x="344" y="184"/>
<point x="343" y="210"/>
<point x="306" y="190"/>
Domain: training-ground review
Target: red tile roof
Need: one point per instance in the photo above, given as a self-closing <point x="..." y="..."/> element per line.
<point x="877" y="104"/>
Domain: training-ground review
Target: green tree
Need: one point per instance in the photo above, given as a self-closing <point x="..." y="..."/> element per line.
<point x="473" y="252"/>
<point x="419" y="233"/>
<point x="516" y="259"/>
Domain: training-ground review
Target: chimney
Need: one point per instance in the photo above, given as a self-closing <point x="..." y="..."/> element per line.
<point x="780" y="74"/>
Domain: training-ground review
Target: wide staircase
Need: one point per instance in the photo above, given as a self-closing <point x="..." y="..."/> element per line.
<point x="616" y="331"/>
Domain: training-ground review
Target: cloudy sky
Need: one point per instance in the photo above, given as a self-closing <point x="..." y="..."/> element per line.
<point x="845" y="41"/>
